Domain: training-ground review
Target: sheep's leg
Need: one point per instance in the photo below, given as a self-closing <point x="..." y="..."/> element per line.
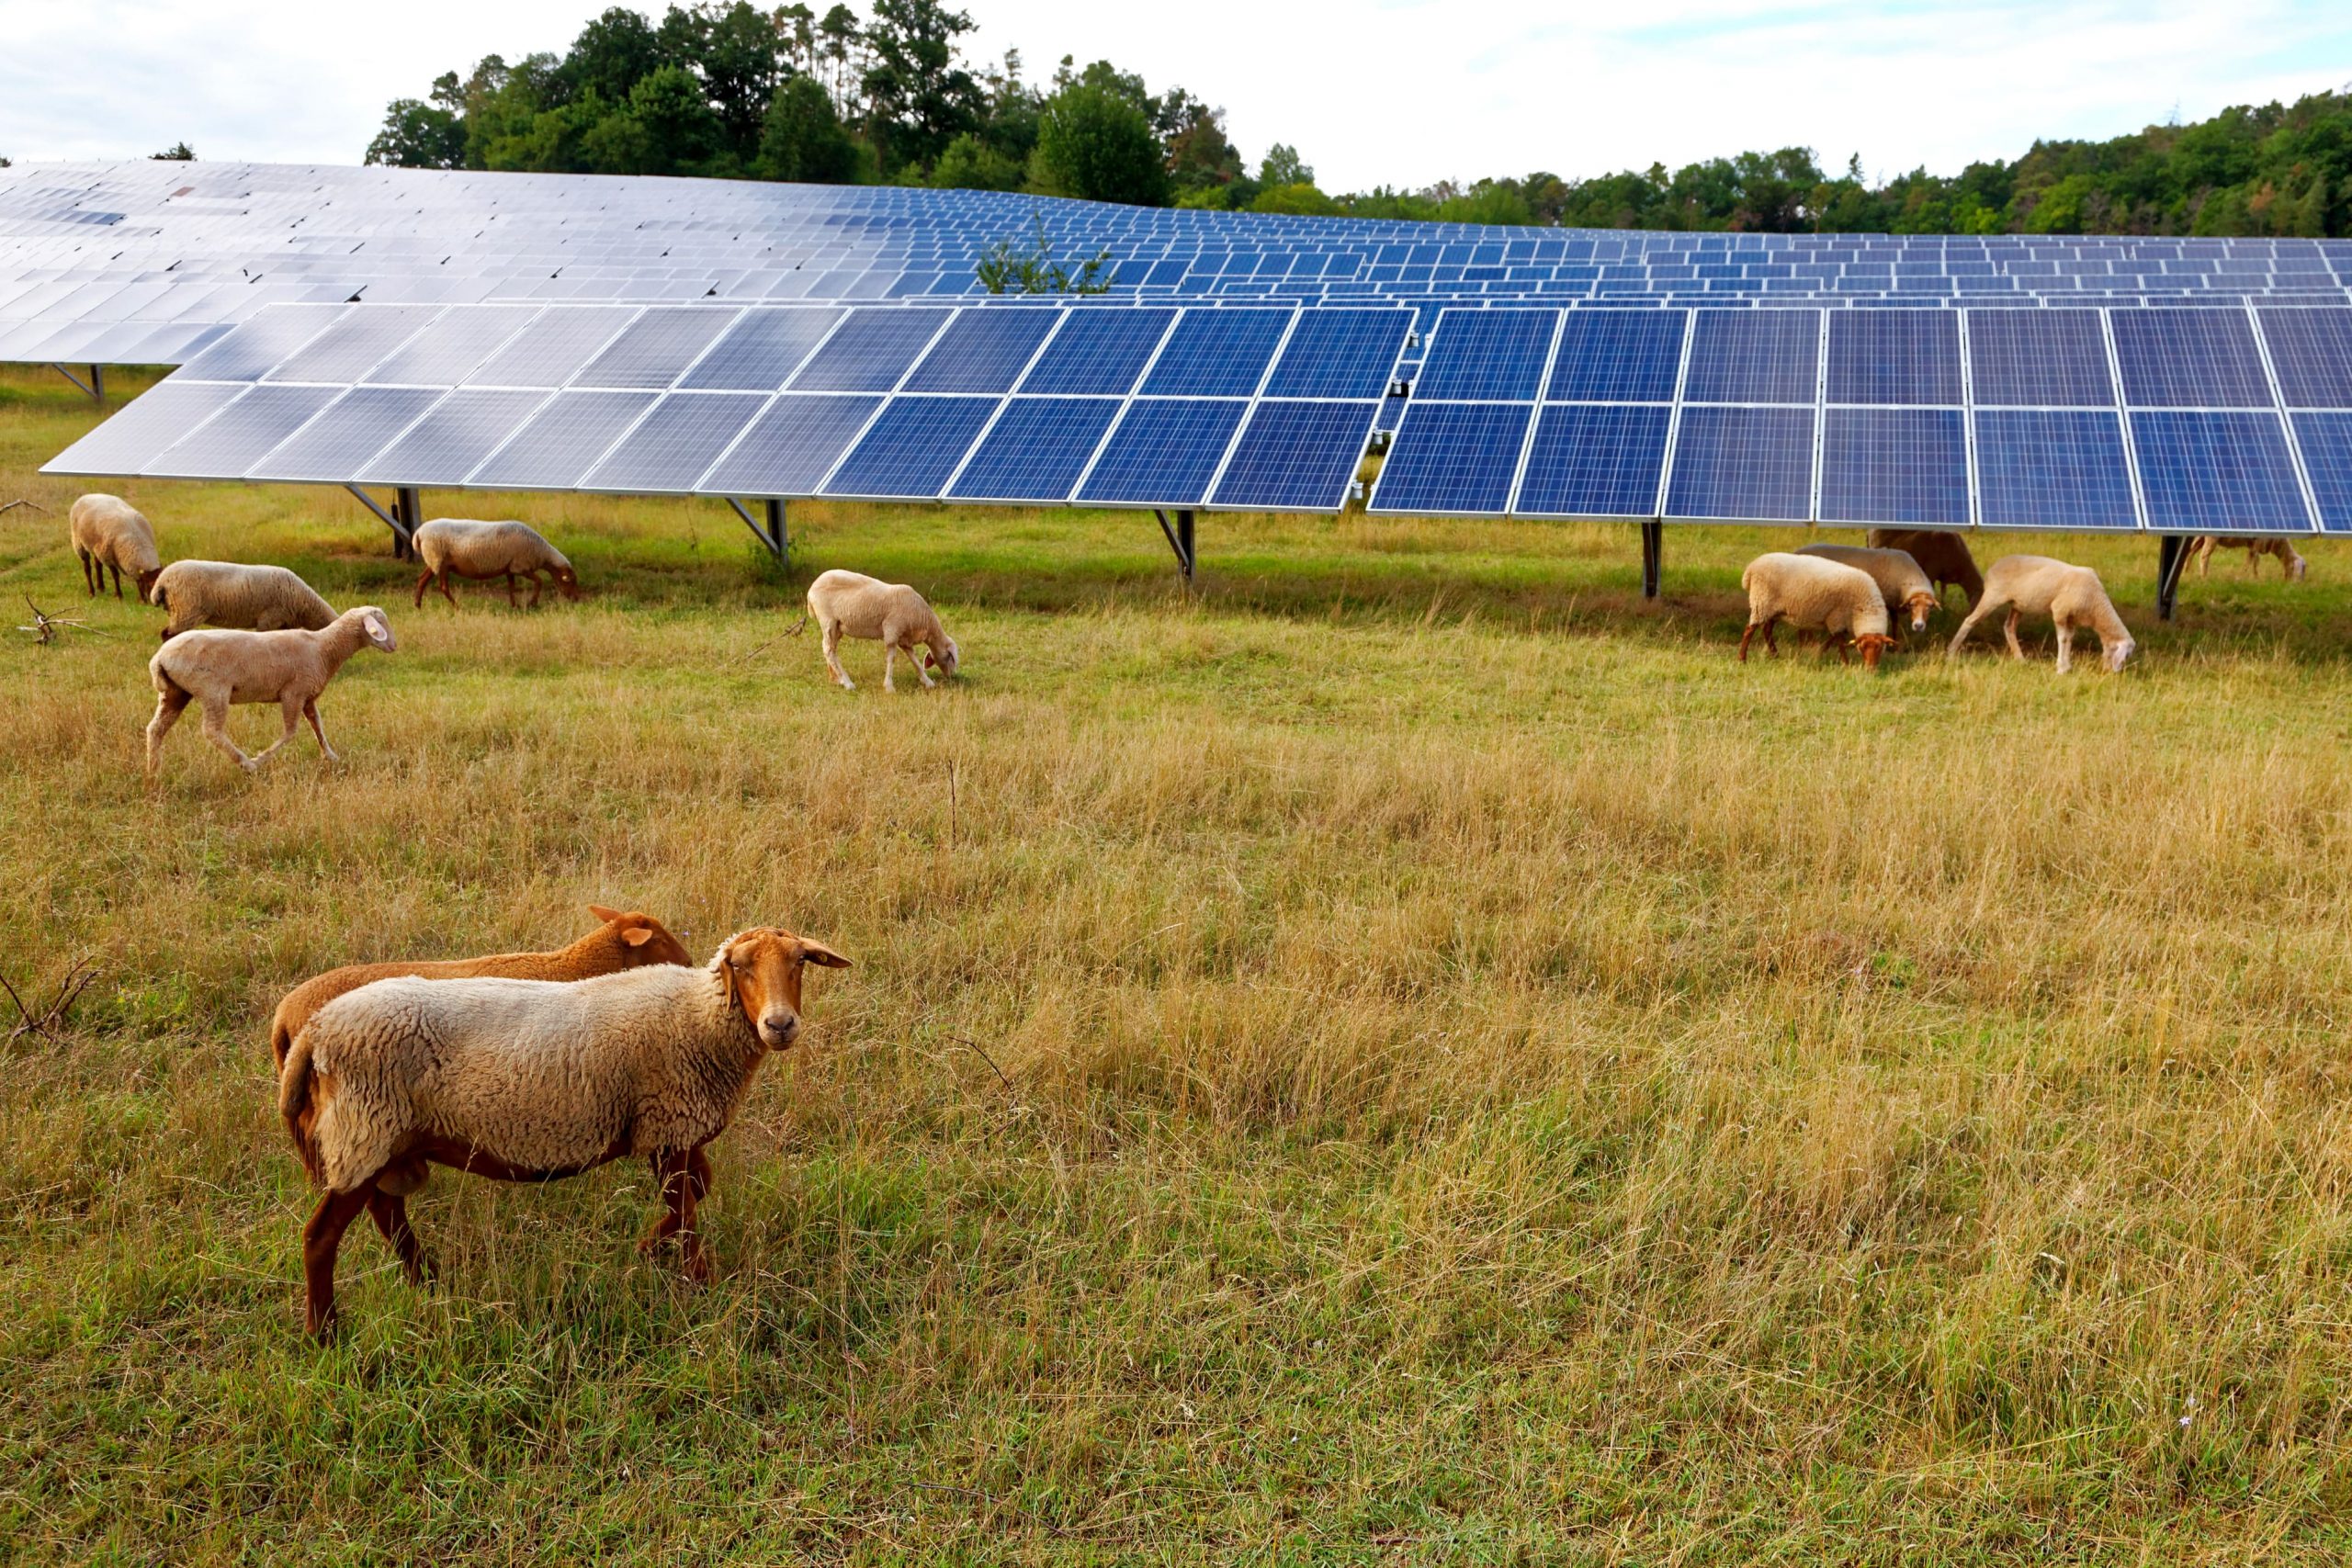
<point x="1983" y="608"/>
<point x="321" y="1238"/>
<point x="889" y="651"/>
<point x="833" y="656"/>
<point x="292" y="711"/>
<point x="1744" y="639"/>
<point x="684" y="1178"/>
<point x="1769" y="646"/>
<point x="536" y="586"/>
<point x="311" y="712"/>
<point x="216" y="729"/>
<point x="169" y="706"/>
<point x="391" y="1214"/>
<point x="2009" y="630"/>
<point x="445" y="589"/>
<point x="117" y="578"/>
<point x="511" y="602"/>
<point x="2066" y="629"/>
<point x="89" y="581"/>
<point x="921" y="673"/>
<point x="422" y="579"/>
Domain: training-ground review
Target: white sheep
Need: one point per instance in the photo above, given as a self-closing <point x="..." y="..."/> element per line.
<point x="524" y="1080"/>
<point x="1814" y="594"/>
<point x="847" y="603"/>
<point x="2255" y="547"/>
<point x="289" y="668"/>
<point x="1942" y="554"/>
<point x="484" y="550"/>
<point x="109" y="535"/>
<point x="225" y="593"/>
<point x="2071" y="596"/>
<point x="1900" y="581"/>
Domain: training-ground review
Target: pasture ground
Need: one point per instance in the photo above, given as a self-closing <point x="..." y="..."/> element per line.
<point x="1411" y="1056"/>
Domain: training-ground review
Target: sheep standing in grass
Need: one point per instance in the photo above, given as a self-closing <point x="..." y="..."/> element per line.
<point x="1942" y="555"/>
<point x="481" y="551"/>
<point x="2255" y="547"/>
<point x="2071" y="596"/>
<point x="848" y="604"/>
<point x="623" y="942"/>
<point x="249" y="598"/>
<point x="290" y="667"/>
<point x="1814" y="594"/>
<point x="525" y="1081"/>
<point x="1900" y="581"/>
<point x="109" y="535"/>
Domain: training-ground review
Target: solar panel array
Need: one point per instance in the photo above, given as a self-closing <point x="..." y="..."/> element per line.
<point x="147" y="263"/>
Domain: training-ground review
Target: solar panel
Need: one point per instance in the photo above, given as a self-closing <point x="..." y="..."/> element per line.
<point x="1754" y="356"/>
<point x="1456" y="458"/>
<point x="912" y="450"/>
<point x="1742" y="464"/>
<point x="672" y="445"/>
<point x="1163" y="452"/>
<point x="1595" y="460"/>
<point x="655" y="349"/>
<point x="1036" y="450"/>
<point x="1296" y="456"/>
<point x="140" y="433"/>
<point x="1894" y="465"/>
<point x="450" y="442"/>
<point x="1487" y="355"/>
<point x="1341" y="354"/>
<point x="870" y="352"/>
<point x="1217" y="354"/>
<point x="245" y="355"/>
<point x="225" y="446"/>
<point x="445" y="351"/>
<point x="550" y="352"/>
<point x="1894" y="357"/>
<point x="759" y="353"/>
<point x="2218" y="473"/>
<point x="2326" y="443"/>
<point x="2190" y="359"/>
<point x="2053" y="469"/>
<point x="559" y="442"/>
<point x="789" y="448"/>
<point x="2311" y="351"/>
<point x="2039" y="360"/>
<point x="349" y="348"/>
<point x="1607" y="356"/>
<point x="1099" y="353"/>
<point x="351" y="429"/>
<point x="982" y="351"/>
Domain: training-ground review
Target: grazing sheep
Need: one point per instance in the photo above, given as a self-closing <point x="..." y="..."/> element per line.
<point x="848" y="604"/>
<point x="483" y="550"/>
<point x="2070" y="595"/>
<point x="289" y="668"/>
<point x="1900" y="581"/>
<point x="2255" y="547"/>
<point x="1942" y="555"/>
<point x="1827" y="597"/>
<point x="623" y="942"/>
<point x="527" y="1080"/>
<point x="250" y="598"/>
<point x="110" y="535"/>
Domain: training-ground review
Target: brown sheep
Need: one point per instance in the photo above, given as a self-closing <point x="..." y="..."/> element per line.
<point x="1942" y="555"/>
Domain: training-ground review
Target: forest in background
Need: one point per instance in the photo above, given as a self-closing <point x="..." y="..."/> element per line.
<point x="731" y="91"/>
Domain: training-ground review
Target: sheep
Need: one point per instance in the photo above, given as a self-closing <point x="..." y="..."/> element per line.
<point x="1942" y="555"/>
<point x="622" y="942"/>
<point x="483" y="550"/>
<point x="251" y="598"/>
<point x="2255" y="547"/>
<point x="846" y="604"/>
<point x="1829" y="596"/>
<point x="527" y="1080"/>
<point x="109" y="535"/>
<point x="289" y="668"/>
<point x="2069" y="595"/>
<point x="1900" y="581"/>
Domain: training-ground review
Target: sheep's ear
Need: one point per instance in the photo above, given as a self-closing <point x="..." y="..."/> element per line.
<point x="727" y="974"/>
<point x="639" y="937"/>
<point x="817" y="952"/>
<point x="603" y="914"/>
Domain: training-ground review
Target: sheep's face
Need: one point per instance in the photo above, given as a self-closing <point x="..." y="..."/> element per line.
<point x="379" y="630"/>
<point x="2295" y="565"/>
<point x="568" y="581"/>
<point x="762" y="970"/>
<point x="2114" y="654"/>
<point x="1872" y="644"/>
<point x="943" y="658"/>
<point x="643" y="939"/>
<point x="147" y="584"/>
<point x="1921" y="606"/>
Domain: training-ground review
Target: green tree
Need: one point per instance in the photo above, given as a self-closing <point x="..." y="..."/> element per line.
<point x="971" y="164"/>
<point x="1199" y="154"/>
<point x="178" y="153"/>
<point x="918" y="96"/>
<point x="733" y="52"/>
<point x="682" y="130"/>
<point x="1285" y="167"/>
<point x="803" y="140"/>
<point x="1300" y="198"/>
<point x="419" y="135"/>
<point x="1094" y="142"/>
<point x="613" y="53"/>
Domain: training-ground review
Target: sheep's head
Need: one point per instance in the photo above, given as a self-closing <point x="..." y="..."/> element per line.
<point x="1872" y="644"/>
<point x="568" y="581"/>
<point x="643" y="939"/>
<point x="2296" y="565"/>
<point x="762" y="968"/>
<point x="147" y="583"/>
<point x="374" y="626"/>
<point x="942" y="656"/>
<point x="2113" y="654"/>
<point x="1921" y="604"/>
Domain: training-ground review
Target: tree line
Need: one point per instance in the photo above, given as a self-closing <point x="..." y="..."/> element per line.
<point x="731" y="91"/>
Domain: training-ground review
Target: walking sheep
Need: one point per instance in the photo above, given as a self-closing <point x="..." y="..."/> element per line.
<point x="481" y="551"/>
<point x="289" y="668"/>
<point x="846" y="604"/>
<point x="1942" y="555"/>
<point x="250" y="598"/>
<point x="623" y="942"/>
<point x="1814" y="594"/>
<point x="1900" y="581"/>
<point x="2071" y="596"/>
<point x="110" y="536"/>
<point x="2255" y="547"/>
<point x="527" y="1080"/>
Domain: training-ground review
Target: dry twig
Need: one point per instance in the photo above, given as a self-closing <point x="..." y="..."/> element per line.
<point x="45" y="626"/>
<point x="52" y="1017"/>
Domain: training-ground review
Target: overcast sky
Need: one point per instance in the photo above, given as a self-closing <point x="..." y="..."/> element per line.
<point x="1402" y="92"/>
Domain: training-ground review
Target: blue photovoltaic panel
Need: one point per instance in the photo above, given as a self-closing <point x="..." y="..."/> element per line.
<point x="1037" y="450"/>
<point x="1217" y="354"/>
<point x="253" y="348"/>
<point x="354" y="428"/>
<point x="1595" y="460"/>
<point x="1099" y="354"/>
<point x="2190" y="359"/>
<point x="2051" y="468"/>
<point x="2039" y="360"/>
<point x="655" y="349"/>
<point x="1164" y="452"/>
<point x="2326" y="440"/>
<point x="1618" y="357"/>
<point x="870" y="352"/>
<point x="912" y="450"/>
<point x="447" y="350"/>
<point x="1487" y="355"/>
<point x="759" y="353"/>
<point x="346" y="351"/>
<point x="791" y="448"/>
<point x="234" y="439"/>
<point x="2311" y="351"/>
<point x="982" y="351"/>
<point x="139" y="435"/>
<point x="2218" y="473"/>
<point x="1754" y="356"/>
<point x="1296" y="456"/>
<point x="1894" y="357"/>
<point x="1341" y="354"/>
<point x="1881" y="465"/>
<point x="562" y="441"/>
<point x="551" y="350"/>
<point x="669" y="448"/>
<point x="1742" y="464"/>
<point x="1454" y="457"/>
<point x="449" y="442"/>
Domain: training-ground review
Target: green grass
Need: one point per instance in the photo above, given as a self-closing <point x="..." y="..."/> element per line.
<point x="1411" y="1054"/>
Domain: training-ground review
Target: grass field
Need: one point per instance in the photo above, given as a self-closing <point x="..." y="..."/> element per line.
<point x="1413" y="1056"/>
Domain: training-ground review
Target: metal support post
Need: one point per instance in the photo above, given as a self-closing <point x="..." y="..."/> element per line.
<point x="96" y="387"/>
<point x="1179" y="539"/>
<point x="769" y="529"/>
<point x="412" y="509"/>
<point x="2172" y="554"/>
<point x="391" y="519"/>
<point x="1653" y="555"/>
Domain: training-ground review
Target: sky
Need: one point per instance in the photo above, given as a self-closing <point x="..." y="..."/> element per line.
<point x="1387" y="92"/>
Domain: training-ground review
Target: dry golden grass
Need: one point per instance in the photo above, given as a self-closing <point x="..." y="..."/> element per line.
<point x="1482" y="1075"/>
